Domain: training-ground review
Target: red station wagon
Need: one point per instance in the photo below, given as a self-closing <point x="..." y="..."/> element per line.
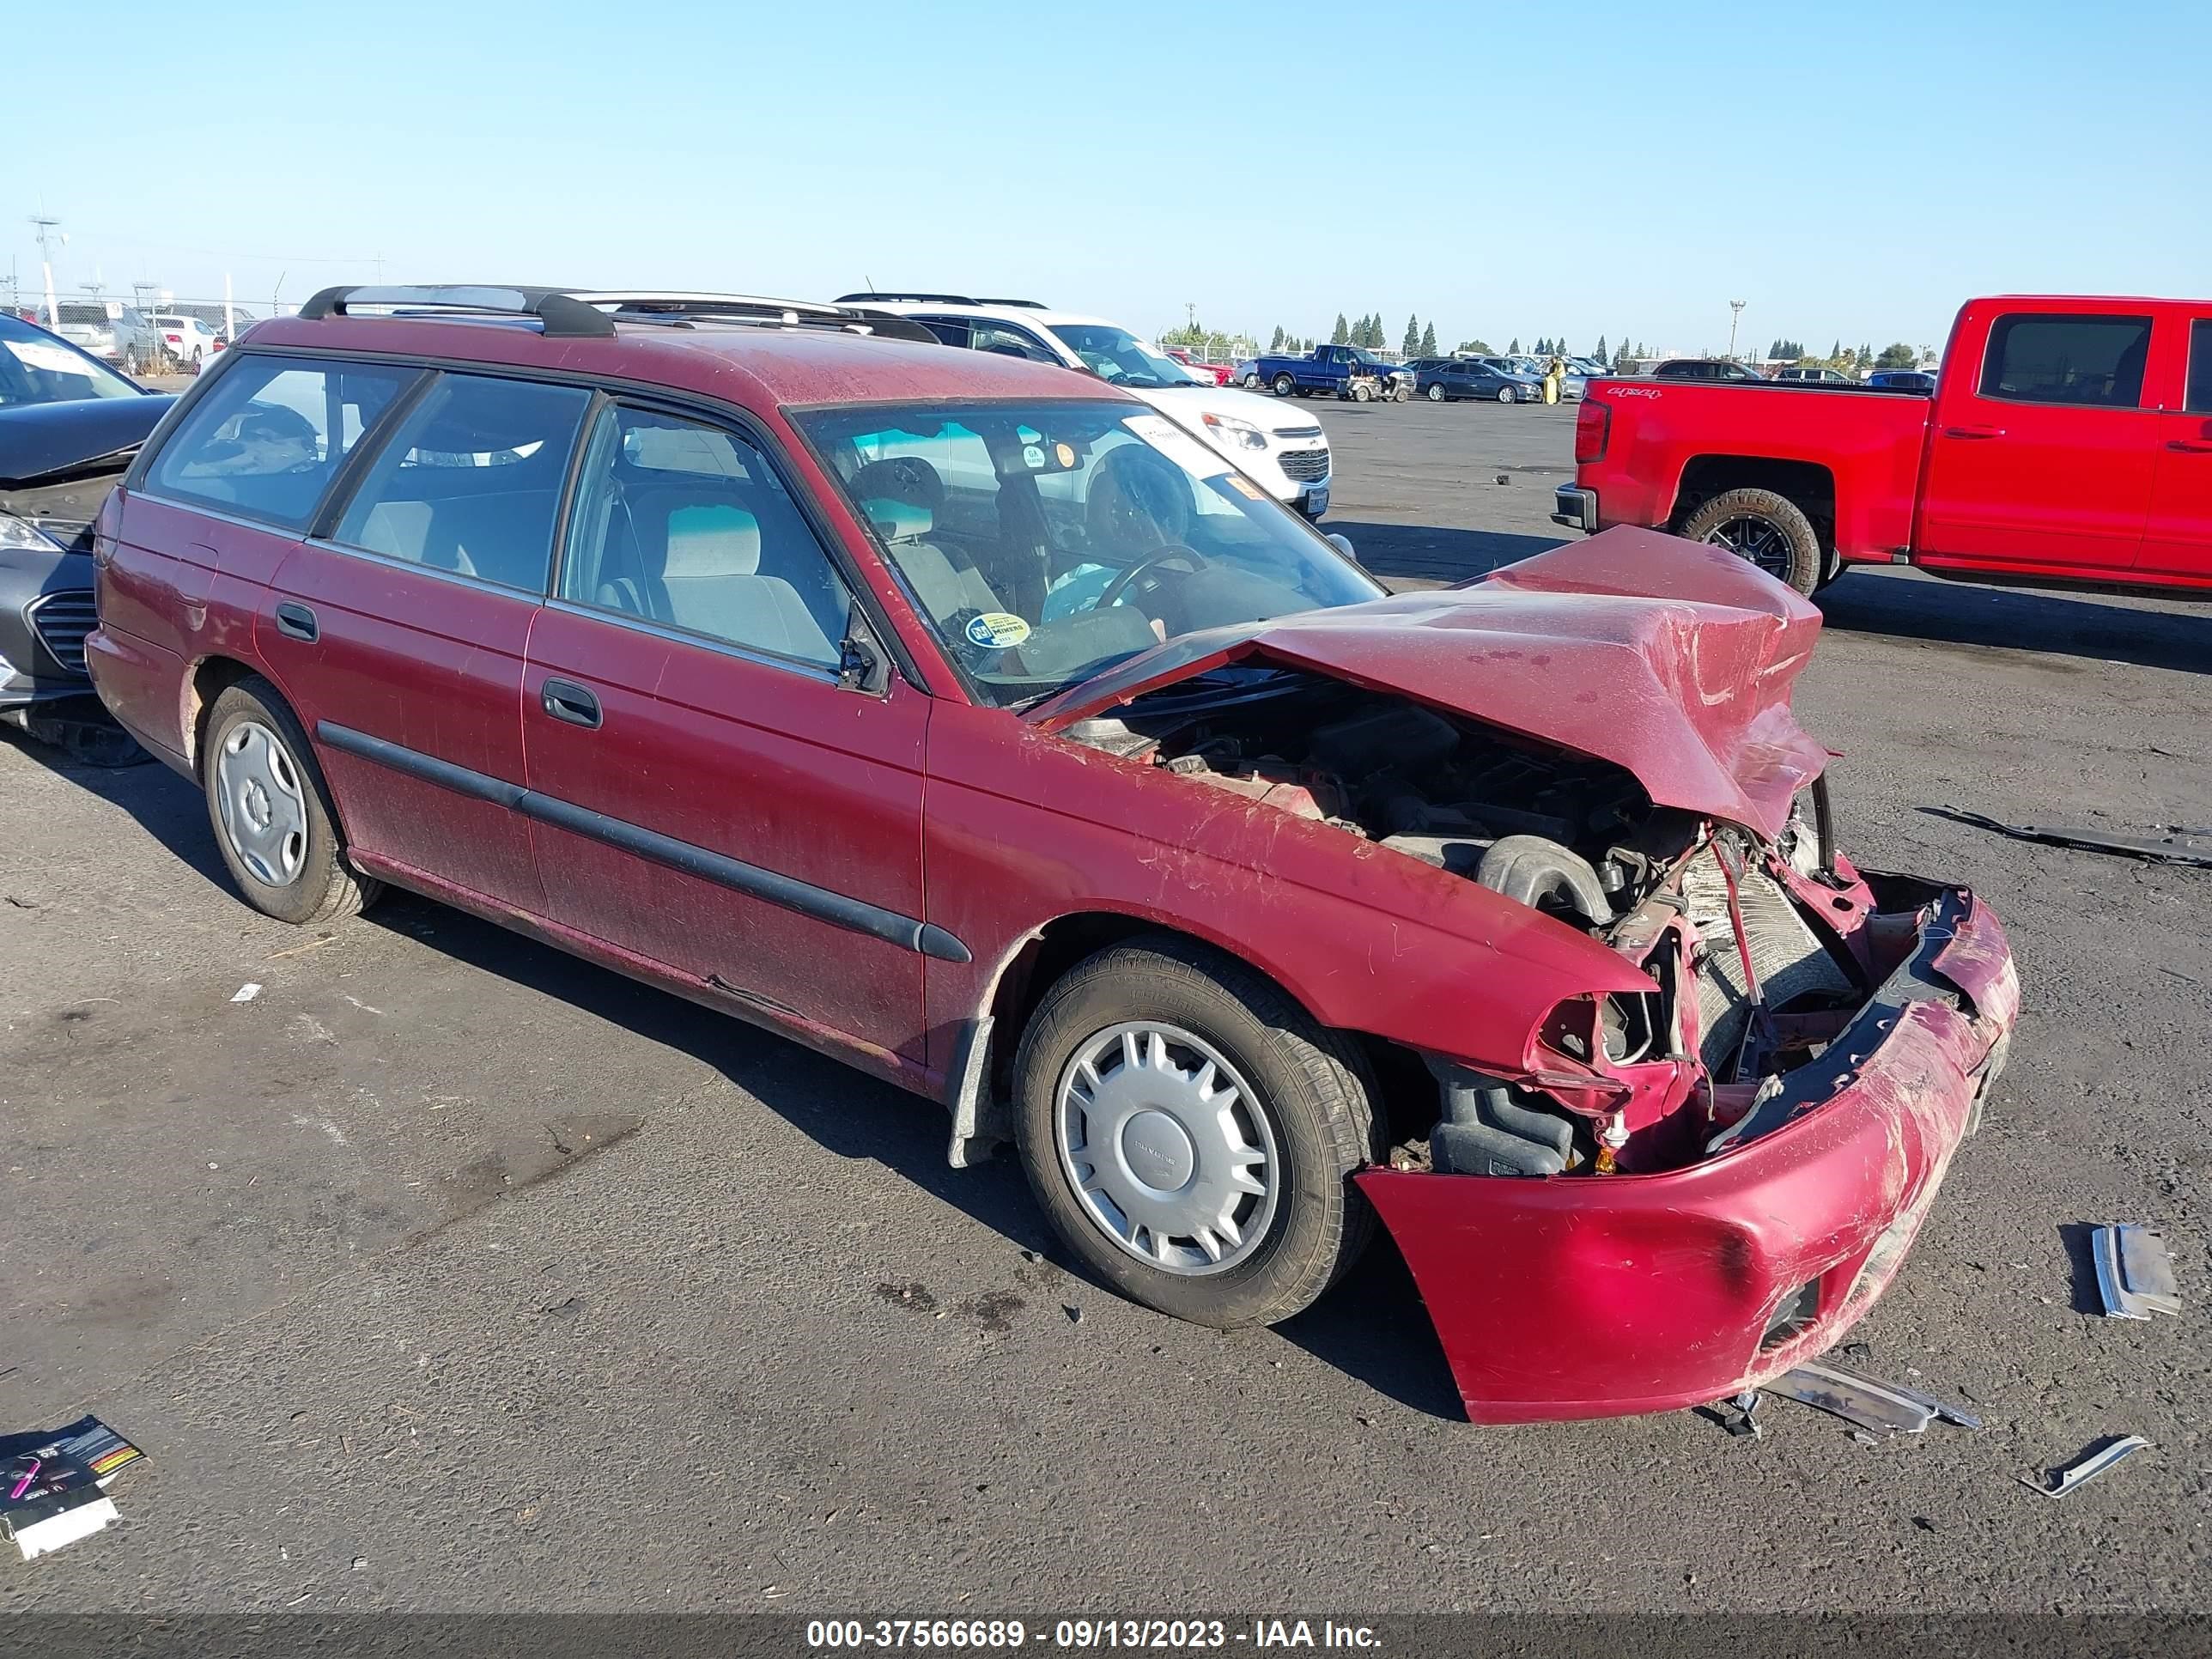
<point x="961" y="718"/>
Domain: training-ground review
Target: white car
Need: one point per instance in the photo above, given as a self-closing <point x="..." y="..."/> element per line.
<point x="1286" y="454"/>
<point x="187" y="339"/>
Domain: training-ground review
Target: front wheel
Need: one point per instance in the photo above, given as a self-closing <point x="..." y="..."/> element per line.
<point x="271" y="813"/>
<point x="1505" y="394"/>
<point x="1769" y="529"/>
<point x="1284" y="386"/>
<point x="1190" y="1132"/>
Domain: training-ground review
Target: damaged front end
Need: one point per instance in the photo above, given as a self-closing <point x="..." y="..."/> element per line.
<point x="1668" y="1194"/>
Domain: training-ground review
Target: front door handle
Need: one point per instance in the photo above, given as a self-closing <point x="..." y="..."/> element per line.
<point x="1974" y="432"/>
<point x="296" y="622"/>
<point x="2191" y="446"/>
<point x="565" y="699"/>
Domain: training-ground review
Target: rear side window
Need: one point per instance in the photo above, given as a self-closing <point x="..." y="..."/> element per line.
<point x="2199" y="401"/>
<point x="266" y="441"/>
<point x="470" y="480"/>
<point x="2088" y="362"/>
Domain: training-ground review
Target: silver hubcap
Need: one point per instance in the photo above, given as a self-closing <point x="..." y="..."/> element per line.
<point x="1760" y="540"/>
<point x="1166" y="1148"/>
<point x="264" y="812"/>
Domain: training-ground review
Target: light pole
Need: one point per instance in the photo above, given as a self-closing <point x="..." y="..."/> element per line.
<point x="1736" y="316"/>
<point x="46" y="223"/>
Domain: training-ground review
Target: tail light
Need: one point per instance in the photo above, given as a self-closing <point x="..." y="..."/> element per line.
<point x="1593" y="430"/>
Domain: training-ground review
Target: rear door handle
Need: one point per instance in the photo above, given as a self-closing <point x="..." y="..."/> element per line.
<point x="2191" y="446"/>
<point x="296" y="622"/>
<point x="565" y="699"/>
<point x="1974" y="432"/>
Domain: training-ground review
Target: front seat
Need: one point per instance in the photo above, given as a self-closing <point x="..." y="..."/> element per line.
<point x="900" y="499"/>
<point x="712" y="583"/>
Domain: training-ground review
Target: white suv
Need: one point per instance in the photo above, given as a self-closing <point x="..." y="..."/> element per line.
<point x="1285" y="454"/>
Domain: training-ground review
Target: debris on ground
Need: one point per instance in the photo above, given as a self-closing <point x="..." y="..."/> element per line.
<point x="245" y="993"/>
<point x="1868" y="1402"/>
<point x="2135" y="1271"/>
<point x="2170" y="843"/>
<point x="53" y="1486"/>
<point x="2087" y="1467"/>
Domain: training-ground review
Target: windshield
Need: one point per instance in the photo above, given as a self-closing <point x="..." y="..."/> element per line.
<point x="1045" y="542"/>
<point x="1119" y="356"/>
<point x="37" y="368"/>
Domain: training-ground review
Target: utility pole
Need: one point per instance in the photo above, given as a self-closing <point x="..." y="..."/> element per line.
<point x="1736" y="316"/>
<point x="46" y="224"/>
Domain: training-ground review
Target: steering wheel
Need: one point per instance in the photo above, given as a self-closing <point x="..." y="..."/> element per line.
<point x="1112" y="593"/>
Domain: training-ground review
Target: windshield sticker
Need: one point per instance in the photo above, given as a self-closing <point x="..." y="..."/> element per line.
<point x="1177" y="444"/>
<point x="1032" y="456"/>
<point x="995" y="630"/>
<point x="55" y="360"/>
<point x="1244" y="487"/>
<point x="1067" y="454"/>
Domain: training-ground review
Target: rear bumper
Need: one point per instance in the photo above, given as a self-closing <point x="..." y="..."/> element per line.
<point x="1575" y="508"/>
<point x="1599" y="1296"/>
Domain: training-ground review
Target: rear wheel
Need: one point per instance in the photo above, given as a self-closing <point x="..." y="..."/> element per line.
<point x="1436" y="391"/>
<point x="1360" y="394"/>
<point x="1284" y="386"/>
<point x="1189" y="1130"/>
<point x="1252" y="381"/>
<point x="271" y="813"/>
<point x="1771" y="531"/>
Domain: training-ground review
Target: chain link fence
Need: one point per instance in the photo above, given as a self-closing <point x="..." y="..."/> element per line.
<point x="142" y="331"/>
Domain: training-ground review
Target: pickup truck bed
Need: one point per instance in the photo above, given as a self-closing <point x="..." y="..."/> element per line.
<point x="2067" y="440"/>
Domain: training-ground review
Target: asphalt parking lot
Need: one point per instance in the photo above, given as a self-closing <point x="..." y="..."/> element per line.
<point x="449" y="1273"/>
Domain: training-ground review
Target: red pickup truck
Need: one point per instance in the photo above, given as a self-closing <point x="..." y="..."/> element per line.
<point x="2067" y="440"/>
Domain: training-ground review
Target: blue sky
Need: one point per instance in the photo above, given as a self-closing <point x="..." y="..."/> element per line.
<point x="1515" y="170"/>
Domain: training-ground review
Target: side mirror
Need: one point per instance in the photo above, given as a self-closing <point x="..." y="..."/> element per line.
<point x="1342" y="544"/>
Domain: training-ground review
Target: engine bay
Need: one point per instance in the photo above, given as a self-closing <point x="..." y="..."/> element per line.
<point x="1759" y="952"/>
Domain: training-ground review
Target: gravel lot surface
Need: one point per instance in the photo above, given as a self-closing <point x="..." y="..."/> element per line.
<point x="449" y="1273"/>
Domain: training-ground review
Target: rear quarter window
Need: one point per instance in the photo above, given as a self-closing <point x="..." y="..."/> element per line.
<point x="269" y="437"/>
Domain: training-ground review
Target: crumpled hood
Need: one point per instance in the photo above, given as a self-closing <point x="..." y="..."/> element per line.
<point x="45" y="442"/>
<point x="1673" y="659"/>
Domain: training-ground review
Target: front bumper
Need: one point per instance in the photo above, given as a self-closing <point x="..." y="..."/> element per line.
<point x="1576" y="509"/>
<point x="1597" y="1296"/>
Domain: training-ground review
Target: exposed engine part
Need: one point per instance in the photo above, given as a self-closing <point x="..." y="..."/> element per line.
<point x="1787" y="957"/>
<point x="1544" y="876"/>
<point x="1113" y="736"/>
<point x="1388" y="734"/>
<point x="1277" y="783"/>
<point x="1485" y="1131"/>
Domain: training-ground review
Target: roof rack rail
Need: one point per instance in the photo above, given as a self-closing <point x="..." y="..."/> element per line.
<point x="889" y="296"/>
<point x="581" y="313"/>
<point x="559" y="312"/>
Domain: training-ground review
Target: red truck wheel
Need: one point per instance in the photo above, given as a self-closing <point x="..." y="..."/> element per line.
<point x="1771" y="531"/>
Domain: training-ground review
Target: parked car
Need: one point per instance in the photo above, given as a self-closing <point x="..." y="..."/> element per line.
<point x="112" y="331"/>
<point x="1343" y="371"/>
<point x="2067" y="440"/>
<point x="1245" y="372"/>
<point x="1468" y="377"/>
<point x="1250" y="917"/>
<point x="1902" y="379"/>
<point x="1704" y="369"/>
<point x="68" y="427"/>
<point x="1800" y="375"/>
<point x="1217" y="374"/>
<point x="188" y="342"/>
<point x="1289" y="460"/>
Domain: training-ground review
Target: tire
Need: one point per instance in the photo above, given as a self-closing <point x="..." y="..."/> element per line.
<point x="1436" y="391"/>
<point x="1505" y="395"/>
<point x="1360" y="394"/>
<point x="1252" y="382"/>
<point x="1284" y="386"/>
<point x="1769" y="529"/>
<point x="252" y="725"/>
<point x="196" y="362"/>
<point x="1403" y="394"/>
<point x="1306" y="1097"/>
